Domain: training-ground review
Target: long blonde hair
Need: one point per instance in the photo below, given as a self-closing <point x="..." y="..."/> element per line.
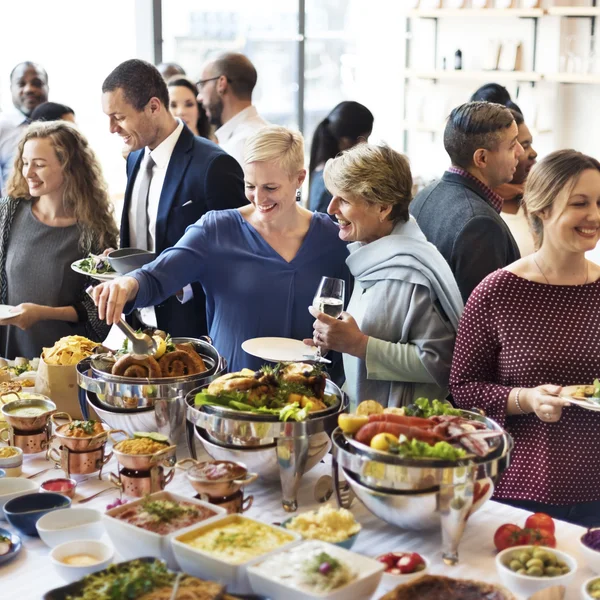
<point x="85" y="197"/>
<point x="551" y="181"/>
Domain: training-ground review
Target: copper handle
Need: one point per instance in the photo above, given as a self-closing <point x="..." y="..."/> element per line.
<point x="107" y="457"/>
<point x="62" y="415"/>
<point x="179" y="464"/>
<point x="50" y="455"/>
<point x="169" y="476"/>
<point x="249" y="500"/>
<point x="250" y="478"/>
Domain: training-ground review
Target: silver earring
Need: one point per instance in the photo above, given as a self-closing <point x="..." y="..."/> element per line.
<point x="298" y="196"/>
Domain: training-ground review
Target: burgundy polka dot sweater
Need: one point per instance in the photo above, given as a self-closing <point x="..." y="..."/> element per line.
<point x="518" y="333"/>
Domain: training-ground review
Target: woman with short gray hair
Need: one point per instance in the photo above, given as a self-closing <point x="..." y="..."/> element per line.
<point x="398" y="333"/>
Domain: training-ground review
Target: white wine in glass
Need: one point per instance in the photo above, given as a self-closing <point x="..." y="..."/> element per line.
<point x="329" y="298"/>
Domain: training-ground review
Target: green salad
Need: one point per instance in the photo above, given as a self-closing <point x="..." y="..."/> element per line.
<point x="95" y="265"/>
<point x="425" y="408"/>
<point x="415" y="449"/>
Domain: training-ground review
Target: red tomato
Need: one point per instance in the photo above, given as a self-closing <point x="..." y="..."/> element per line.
<point x="539" y="537"/>
<point x="508" y="535"/>
<point x="540" y="521"/>
<point x="409" y="562"/>
<point x="388" y="559"/>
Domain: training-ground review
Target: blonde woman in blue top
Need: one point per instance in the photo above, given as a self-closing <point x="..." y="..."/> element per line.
<point x="260" y="265"/>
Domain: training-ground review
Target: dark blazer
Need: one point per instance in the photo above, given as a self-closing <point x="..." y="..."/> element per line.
<point x="473" y="238"/>
<point x="200" y="177"/>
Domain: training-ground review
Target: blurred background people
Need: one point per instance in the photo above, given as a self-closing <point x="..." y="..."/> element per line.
<point x="531" y="328"/>
<point x="225" y="91"/>
<point x="460" y="213"/>
<point x="52" y="111"/>
<point x="57" y="211"/>
<point x="398" y="331"/>
<point x="494" y="92"/>
<point x="260" y="265"/>
<point x="170" y="69"/>
<point x="184" y="105"/>
<point x="29" y="88"/>
<point x="173" y="178"/>
<point x="348" y="124"/>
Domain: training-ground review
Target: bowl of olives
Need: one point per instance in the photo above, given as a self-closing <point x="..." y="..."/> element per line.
<point x="591" y="589"/>
<point x="528" y="569"/>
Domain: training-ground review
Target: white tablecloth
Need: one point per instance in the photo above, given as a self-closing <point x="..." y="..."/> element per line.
<point x="31" y="574"/>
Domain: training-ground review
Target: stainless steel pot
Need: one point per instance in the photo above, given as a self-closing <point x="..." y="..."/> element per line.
<point x="415" y="494"/>
<point x="262" y="442"/>
<point x="24" y="423"/>
<point x="130" y="393"/>
<point x="217" y="488"/>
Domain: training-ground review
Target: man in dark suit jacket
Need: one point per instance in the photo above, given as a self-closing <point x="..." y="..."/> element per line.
<point x="460" y="213"/>
<point x="173" y="178"/>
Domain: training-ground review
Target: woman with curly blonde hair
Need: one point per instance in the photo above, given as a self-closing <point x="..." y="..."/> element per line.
<point x="57" y="211"/>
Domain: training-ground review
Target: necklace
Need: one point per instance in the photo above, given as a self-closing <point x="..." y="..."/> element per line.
<point x="587" y="270"/>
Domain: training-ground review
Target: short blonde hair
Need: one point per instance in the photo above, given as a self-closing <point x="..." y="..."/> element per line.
<point x="275" y="143"/>
<point x="551" y="182"/>
<point x="377" y="174"/>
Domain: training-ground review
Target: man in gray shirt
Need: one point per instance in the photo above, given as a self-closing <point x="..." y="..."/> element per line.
<point x="29" y="89"/>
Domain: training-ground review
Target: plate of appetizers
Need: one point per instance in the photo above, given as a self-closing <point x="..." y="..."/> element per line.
<point x="586" y="396"/>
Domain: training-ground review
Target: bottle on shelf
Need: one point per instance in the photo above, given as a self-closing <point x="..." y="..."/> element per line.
<point x="458" y="60"/>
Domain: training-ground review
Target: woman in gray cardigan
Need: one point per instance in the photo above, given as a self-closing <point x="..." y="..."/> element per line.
<point x="398" y="333"/>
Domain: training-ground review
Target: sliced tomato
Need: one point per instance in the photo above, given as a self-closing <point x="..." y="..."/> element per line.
<point x="540" y="521"/>
<point x="508" y="535"/>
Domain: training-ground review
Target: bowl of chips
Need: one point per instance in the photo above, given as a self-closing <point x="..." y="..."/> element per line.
<point x="69" y="350"/>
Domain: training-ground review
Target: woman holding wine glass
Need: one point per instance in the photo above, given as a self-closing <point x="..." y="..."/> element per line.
<point x="259" y="265"/>
<point x="398" y="332"/>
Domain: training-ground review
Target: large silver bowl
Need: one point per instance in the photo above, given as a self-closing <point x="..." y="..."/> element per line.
<point x="417" y="495"/>
<point x="131" y="393"/>
<point x="274" y="449"/>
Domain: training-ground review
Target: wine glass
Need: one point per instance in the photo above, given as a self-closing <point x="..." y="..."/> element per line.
<point x="329" y="298"/>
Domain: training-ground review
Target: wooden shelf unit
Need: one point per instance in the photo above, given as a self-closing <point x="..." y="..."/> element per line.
<point x="435" y="13"/>
<point x="461" y="75"/>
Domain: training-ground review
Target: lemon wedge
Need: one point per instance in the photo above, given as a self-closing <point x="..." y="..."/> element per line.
<point x="161" y="346"/>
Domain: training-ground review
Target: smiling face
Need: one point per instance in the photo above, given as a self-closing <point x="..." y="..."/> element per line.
<point x="270" y="189"/>
<point x="183" y="104"/>
<point x="41" y="168"/>
<point x="136" y="128"/>
<point x="501" y="163"/>
<point x="528" y="158"/>
<point x="573" y="223"/>
<point x="359" y="220"/>
<point x="29" y="88"/>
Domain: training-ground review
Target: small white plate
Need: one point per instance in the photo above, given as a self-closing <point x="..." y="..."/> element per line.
<point x="571" y="389"/>
<point x="104" y="277"/>
<point x="280" y="349"/>
<point x="6" y="311"/>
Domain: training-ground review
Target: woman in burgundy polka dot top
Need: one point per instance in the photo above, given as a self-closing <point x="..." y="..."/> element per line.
<point x="533" y="327"/>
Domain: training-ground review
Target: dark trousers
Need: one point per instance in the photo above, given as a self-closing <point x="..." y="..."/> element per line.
<point x="585" y="514"/>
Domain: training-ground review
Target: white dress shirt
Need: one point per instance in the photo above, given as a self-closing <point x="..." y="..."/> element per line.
<point x="12" y="124"/>
<point x="232" y="135"/>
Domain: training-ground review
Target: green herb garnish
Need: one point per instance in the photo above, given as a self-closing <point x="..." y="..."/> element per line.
<point x="165" y="511"/>
<point x="425" y="408"/>
<point x="87" y="426"/>
<point x="417" y="449"/>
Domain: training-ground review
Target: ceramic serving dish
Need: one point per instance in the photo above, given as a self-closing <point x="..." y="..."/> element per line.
<point x="11" y="487"/>
<point x="70" y="524"/>
<point x="24" y="512"/>
<point x="99" y="551"/>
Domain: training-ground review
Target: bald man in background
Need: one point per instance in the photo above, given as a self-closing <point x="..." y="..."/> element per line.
<point x="225" y="90"/>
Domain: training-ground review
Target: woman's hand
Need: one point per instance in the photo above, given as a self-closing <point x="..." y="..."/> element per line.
<point x="30" y="315"/>
<point x="545" y="402"/>
<point x="111" y="297"/>
<point x="342" y="335"/>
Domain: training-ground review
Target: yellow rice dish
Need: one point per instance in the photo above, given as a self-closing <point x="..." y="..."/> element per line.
<point x="236" y="541"/>
<point x="327" y="525"/>
<point x="140" y="446"/>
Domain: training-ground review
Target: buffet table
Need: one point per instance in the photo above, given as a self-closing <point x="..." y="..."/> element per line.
<point x="31" y="574"/>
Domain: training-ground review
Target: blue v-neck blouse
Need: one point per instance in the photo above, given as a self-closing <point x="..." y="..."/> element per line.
<point x="251" y="291"/>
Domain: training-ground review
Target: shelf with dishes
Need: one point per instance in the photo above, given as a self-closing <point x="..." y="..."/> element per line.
<point x="502" y="76"/>
<point x="435" y="13"/>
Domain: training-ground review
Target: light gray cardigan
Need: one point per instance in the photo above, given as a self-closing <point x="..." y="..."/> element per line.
<point x="406" y="300"/>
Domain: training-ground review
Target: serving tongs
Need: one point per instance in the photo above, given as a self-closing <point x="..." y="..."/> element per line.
<point x="140" y="343"/>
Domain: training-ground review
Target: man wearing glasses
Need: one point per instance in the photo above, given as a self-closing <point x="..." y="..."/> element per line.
<point x="225" y="90"/>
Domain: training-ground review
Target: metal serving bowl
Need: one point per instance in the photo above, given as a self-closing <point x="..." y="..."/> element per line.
<point x="79" y="444"/>
<point x="144" y="462"/>
<point x="131" y="393"/>
<point x="23" y="423"/>
<point x="421" y="494"/>
<point x="217" y="488"/>
<point x="272" y="448"/>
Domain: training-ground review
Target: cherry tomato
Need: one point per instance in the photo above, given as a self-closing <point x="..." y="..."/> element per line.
<point x="540" y="521"/>
<point x="409" y="563"/>
<point x="539" y="537"/>
<point x="508" y="535"/>
<point x="389" y="559"/>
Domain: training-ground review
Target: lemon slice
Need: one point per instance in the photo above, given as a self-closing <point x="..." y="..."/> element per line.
<point x="161" y="346"/>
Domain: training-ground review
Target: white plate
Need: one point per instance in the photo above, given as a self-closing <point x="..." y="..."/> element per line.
<point x="5" y="311"/>
<point x="105" y="277"/>
<point x="566" y="394"/>
<point x="279" y="349"/>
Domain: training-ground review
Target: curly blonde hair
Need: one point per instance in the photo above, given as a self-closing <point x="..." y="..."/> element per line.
<point x="376" y="174"/>
<point x="550" y="183"/>
<point x="280" y="144"/>
<point x="85" y="197"/>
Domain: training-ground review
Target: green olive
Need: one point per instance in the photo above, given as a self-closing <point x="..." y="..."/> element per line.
<point x="541" y="554"/>
<point x="515" y="565"/>
<point x="522" y="571"/>
<point x="552" y="571"/>
<point x="524" y="556"/>
<point x="561" y="563"/>
<point x="565" y="570"/>
<point x="534" y="562"/>
<point x="595" y="585"/>
<point x="595" y="594"/>
<point x="535" y="571"/>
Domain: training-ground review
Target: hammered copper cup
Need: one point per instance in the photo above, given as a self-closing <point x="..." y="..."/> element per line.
<point x="220" y="488"/>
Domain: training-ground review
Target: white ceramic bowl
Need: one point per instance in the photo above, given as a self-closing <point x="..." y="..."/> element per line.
<point x="527" y="585"/>
<point x="11" y="487"/>
<point x="103" y="552"/>
<point x="585" y="595"/>
<point x="390" y="581"/>
<point x="592" y="557"/>
<point x="264" y="580"/>
<point x="67" y="525"/>
<point x="135" y="542"/>
<point x="207" y="566"/>
<point x="13" y="464"/>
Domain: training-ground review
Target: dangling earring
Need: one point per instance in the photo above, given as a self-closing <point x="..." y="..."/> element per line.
<point x="298" y="195"/>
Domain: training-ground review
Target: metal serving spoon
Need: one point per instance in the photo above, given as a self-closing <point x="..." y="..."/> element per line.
<point x="140" y="343"/>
